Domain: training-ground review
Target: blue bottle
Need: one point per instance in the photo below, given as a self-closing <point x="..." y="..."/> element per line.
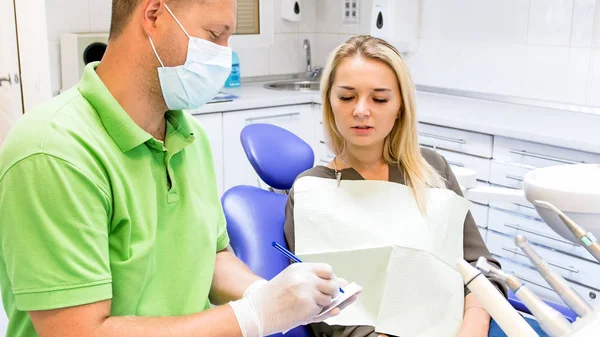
<point x="234" y="77"/>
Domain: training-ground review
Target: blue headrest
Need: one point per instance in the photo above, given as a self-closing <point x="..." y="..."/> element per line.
<point x="277" y="155"/>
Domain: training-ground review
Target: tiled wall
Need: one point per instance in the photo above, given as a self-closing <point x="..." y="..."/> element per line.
<point x="542" y="49"/>
<point x="284" y="56"/>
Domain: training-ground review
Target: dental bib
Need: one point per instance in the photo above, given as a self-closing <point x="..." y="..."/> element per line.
<point x="372" y="233"/>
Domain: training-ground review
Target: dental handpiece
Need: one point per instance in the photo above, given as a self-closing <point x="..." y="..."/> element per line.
<point x="509" y="320"/>
<point x="557" y="282"/>
<point x="550" y="320"/>
<point x="585" y="238"/>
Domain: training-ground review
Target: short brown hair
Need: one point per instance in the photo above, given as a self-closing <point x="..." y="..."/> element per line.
<point x="121" y="13"/>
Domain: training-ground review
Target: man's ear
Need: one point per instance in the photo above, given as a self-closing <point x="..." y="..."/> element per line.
<point x="150" y="10"/>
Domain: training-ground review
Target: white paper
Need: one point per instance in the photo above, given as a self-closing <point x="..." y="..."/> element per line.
<point x="349" y="291"/>
<point x="372" y="233"/>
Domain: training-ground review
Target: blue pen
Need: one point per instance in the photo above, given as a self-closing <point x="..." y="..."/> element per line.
<point x="290" y="255"/>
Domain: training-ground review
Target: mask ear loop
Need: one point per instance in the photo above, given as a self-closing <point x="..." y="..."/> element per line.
<point x="179" y="23"/>
<point x="155" y="53"/>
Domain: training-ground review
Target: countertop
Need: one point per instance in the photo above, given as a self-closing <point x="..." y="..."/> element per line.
<point x="562" y="128"/>
<point x="254" y="96"/>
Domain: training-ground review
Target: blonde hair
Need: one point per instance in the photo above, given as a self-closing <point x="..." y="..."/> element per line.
<point x="401" y="146"/>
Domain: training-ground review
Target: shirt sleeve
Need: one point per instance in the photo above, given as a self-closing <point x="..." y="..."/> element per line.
<point x="473" y="244"/>
<point x="222" y="236"/>
<point x="54" y="222"/>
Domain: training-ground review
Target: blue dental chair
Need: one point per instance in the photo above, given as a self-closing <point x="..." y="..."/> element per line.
<point x="255" y="217"/>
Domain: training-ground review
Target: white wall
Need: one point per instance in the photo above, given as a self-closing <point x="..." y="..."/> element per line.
<point x="284" y="56"/>
<point x="541" y="49"/>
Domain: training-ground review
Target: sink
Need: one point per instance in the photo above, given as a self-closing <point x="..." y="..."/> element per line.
<point x="294" y="85"/>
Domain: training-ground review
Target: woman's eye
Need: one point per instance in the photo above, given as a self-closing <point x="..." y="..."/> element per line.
<point x="380" y="100"/>
<point x="345" y="98"/>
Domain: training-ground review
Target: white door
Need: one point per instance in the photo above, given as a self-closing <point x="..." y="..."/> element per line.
<point x="237" y="168"/>
<point x="11" y="105"/>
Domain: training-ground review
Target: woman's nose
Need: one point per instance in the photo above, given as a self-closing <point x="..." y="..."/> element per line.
<point x="361" y="110"/>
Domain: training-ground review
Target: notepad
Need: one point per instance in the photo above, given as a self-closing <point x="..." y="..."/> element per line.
<point x="349" y="291"/>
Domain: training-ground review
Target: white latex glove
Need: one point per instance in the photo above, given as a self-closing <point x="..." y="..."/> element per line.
<point x="292" y="298"/>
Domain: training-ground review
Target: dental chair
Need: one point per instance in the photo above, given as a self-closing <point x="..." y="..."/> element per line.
<point x="255" y="217"/>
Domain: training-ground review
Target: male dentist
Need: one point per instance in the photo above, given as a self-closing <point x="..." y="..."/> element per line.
<point x="110" y="220"/>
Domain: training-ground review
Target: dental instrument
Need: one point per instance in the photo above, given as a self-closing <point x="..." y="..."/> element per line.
<point x="584" y="237"/>
<point x="550" y="320"/>
<point x="557" y="282"/>
<point x="494" y="303"/>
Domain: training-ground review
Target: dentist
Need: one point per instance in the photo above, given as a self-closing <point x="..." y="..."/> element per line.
<point x="110" y="220"/>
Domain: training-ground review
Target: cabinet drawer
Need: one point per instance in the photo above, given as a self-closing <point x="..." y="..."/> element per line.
<point x="322" y="154"/>
<point x="535" y="230"/>
<point x="576" y="269"/>
<point x="509" y="175"/>
<point x="539" y="155"/>
<point x="480" y="214"/>
<point x="526" y="210"/>
<point x="474" y="143"/>
<point x="534" y="281"/>
<point x="483" y="233"/>
<point x="480" y="165"/>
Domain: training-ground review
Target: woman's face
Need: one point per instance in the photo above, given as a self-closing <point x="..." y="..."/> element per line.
<point x="365" y="99"/>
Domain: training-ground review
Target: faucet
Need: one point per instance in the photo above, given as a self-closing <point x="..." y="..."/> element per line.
<point x="311" y="74"/>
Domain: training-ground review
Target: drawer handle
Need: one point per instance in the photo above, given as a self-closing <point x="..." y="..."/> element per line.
<point x="322" y="141"/>
<point x="447" y="139"/>
<point x="455" y="163"/>
<point x="541" y="156"/>
<point x="520" y="228"/>
<point x="571" y="269"/>
<point x="513" y="177"/>
<point x="324" y="161"/>
<point x="532" y="282"/>
<point x="291" y="114"/>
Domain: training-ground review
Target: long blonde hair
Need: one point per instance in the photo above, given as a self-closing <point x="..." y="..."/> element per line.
<point x="401" y="146"/>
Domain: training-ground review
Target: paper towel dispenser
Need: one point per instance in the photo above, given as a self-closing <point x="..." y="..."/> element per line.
<point x="396" y="21"/>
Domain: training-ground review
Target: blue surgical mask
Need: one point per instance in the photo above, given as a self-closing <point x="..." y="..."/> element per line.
<point x="199" y="79"/>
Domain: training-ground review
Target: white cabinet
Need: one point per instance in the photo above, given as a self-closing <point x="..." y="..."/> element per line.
<point x="468" y="142"/>
<point x="213" y="125"/>
<point x="237" y="169"/>
<point x="503" y="162"/>
<point x="322" y="153"/>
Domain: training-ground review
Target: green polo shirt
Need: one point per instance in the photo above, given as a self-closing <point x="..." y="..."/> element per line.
<point x="93" y="208"/>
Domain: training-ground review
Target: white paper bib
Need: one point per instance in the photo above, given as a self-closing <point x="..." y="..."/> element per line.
<point x="372" y="233"/>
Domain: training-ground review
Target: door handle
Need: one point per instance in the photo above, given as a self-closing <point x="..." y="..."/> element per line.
<point x="7" y="79"/>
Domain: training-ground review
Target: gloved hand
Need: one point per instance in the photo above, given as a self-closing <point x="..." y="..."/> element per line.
<point x="292" y="298"/>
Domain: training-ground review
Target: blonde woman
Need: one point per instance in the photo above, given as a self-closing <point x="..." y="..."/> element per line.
<point x="371" y="126"/>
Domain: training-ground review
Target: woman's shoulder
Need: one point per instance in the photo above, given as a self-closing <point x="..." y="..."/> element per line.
<point x="436" y="160"/>
<point x="318" y="171"/>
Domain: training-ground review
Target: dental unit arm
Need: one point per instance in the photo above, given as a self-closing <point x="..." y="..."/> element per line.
<point x="567" y="198"/>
